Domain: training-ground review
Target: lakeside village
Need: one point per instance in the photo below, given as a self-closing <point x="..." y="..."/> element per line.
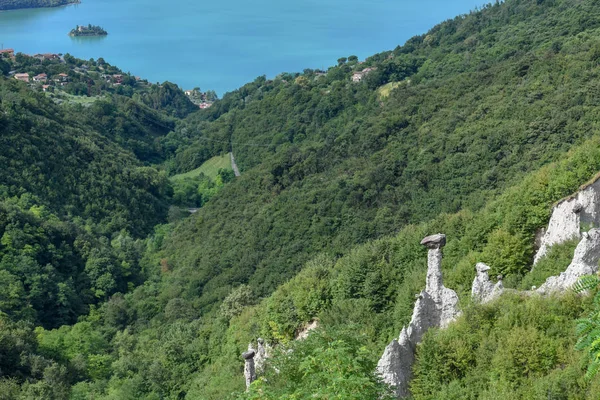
<point x="58" y="75"/>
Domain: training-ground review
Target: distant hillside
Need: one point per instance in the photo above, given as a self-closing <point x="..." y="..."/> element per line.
<point x="16" y="4"/>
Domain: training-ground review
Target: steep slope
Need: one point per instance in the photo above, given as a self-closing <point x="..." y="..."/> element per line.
<point x="328" y="164"/>
<point x="74" y="201"/>
<point x="52" y="154"/>
<point x="491" y="119"/>
<point x="466" y="144"/>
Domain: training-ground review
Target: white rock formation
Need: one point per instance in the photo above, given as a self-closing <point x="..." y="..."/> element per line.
<point x="436" y="306"/>
<point x="249" y="367"/>
<point x="262" y="354"/>
<point x="303" y="334"/>
<point x="395" y="365"/>
<point x="483" y="290"/>
<point x="585" y="262"/>
<point x="568" y="217"/>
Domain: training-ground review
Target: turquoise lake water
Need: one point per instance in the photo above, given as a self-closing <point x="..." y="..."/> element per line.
<point x="223" y="44"/>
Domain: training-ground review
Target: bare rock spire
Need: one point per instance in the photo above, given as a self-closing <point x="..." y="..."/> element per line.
<point x="483" y="290"/>
<point x="436" y="306"/>
<point x="249" y="367"/>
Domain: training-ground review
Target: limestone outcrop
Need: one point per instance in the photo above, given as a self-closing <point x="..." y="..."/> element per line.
<point x="483" y="290"/>
<point x="262" y="353"/>
<point x="568" y="217"/>
<point x="305" y="332"/>
<point x="585" y="262"/>
<point x="436" y="306"/>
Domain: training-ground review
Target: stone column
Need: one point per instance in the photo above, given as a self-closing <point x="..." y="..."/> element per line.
<point x="249" y="369"/>
<point x="434" y="263"/>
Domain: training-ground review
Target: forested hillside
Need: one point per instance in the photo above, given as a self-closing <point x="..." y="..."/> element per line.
<point x="479" y="101"/>
<point x="15" y="4"/>
<point x="474" y="129"/>
<point x="74" y="198"/>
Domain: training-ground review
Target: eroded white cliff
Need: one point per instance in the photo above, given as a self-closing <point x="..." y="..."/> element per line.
<point x="585" y="262"/>
<point x="569" y="216"/>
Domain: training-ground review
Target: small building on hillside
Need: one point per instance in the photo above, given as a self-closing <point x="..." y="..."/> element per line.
<point x="7" y="52"/>
<point x="47" y="56"/>
<point x="358" y="76"/>
<point x="118" y="78"/>
<point x="62" y="78"/>
<point x="40" y="78"/>
<point x="45" y="87"/>
<point x="22" y="77"/>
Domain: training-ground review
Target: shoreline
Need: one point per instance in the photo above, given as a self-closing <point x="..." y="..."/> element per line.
<point x="41" y="8"/>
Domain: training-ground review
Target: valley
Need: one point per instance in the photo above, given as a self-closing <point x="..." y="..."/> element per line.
<point x="145" y="241"/>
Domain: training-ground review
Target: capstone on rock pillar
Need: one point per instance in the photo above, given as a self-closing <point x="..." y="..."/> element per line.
<point x="434" y="262"/>
<point x="249" y="368"/>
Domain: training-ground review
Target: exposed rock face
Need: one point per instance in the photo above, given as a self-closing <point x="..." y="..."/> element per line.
<point x="483" y="290"/>
<point x="262" y="354"/>
<point x="249" y="368"/>
<point x="569" y="215"/>
<point x="585" y="262"/>
<point x="395" y="365"/>
<point x="303" y="334"/>
<point x="436" y="306"/>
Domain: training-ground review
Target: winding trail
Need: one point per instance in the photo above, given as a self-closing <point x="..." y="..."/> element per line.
<point x="236" y="171"/>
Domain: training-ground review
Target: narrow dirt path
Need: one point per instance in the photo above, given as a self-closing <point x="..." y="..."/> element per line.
<point x="236" y="171"/>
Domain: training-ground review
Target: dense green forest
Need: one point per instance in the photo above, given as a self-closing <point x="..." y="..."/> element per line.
<point x="16" y="4"/>
<point x="474" y="129"/>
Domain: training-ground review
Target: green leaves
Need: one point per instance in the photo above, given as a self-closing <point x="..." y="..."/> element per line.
<point x="328" y="365"/>
<point x="588" y="329"/>
<point x="586" y="283"/>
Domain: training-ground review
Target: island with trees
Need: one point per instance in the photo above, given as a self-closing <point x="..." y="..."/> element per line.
<point x="90" y="30"/>
<point x="16" y="4"/>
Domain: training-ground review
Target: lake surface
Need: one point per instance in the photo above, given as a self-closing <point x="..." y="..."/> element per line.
<point x="223" y="44"/>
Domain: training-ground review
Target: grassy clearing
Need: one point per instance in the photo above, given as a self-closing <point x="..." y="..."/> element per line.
<point x="210" y="168"/>
<point x="385" y="90"/>
<point x="69" y="98"/>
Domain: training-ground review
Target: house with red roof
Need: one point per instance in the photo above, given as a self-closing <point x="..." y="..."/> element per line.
<point x="62" y="78"/>
<point x="22" y="77"/>
<point x="40" y="78"/>
<point x="7" y="52"/>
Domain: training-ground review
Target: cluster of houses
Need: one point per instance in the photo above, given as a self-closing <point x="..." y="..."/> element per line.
<point x="46" y="56"/>
<point x="60" y="79"/>
<point x="48" y="83"/>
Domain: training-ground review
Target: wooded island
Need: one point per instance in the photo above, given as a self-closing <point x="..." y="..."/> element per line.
<point x="90" y="30"/>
